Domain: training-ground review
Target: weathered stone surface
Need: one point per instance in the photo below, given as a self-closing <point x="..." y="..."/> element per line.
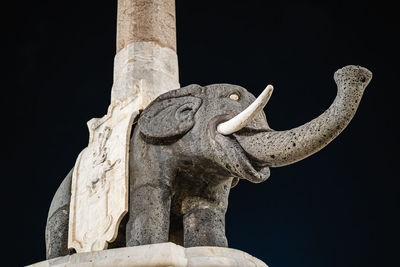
<point x="166" y="254"/>
<point x="56" y="233"/>
<point x="58" y="199"/>
<point x="148" y="63"/>
<point x="146" y="21"/>
<point x="99" y="190"/>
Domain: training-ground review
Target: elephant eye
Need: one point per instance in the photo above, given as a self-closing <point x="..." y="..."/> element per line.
<point x="234" y="97"/>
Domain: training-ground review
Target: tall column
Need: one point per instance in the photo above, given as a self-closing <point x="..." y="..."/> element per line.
<point x="146" y="62"/>
<point x="146" y="21"/>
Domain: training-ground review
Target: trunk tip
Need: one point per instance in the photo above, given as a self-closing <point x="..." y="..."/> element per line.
<point x="353" y="73"/>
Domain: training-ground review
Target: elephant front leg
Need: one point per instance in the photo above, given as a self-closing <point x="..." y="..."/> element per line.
<point x="204" y="225"/>
<point x="149" y="213"/>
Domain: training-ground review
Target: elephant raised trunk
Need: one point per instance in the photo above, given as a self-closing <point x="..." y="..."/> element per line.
<point x="279" y="148"/>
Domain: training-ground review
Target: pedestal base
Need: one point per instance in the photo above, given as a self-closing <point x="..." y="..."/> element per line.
<point x="157" y="255"/>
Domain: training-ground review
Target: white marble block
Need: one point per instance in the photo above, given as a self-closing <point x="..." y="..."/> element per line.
<point x="157" y="255"/>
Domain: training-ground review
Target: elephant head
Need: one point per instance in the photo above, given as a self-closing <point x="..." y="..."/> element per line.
<point x="212" y="125"/>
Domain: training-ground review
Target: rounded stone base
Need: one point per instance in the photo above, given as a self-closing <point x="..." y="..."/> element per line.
<point x="157" y="255"/>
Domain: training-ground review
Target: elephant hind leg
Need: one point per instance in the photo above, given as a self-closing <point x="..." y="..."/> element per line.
<point x="149" y="213"/>
<point x="56" y="233"/>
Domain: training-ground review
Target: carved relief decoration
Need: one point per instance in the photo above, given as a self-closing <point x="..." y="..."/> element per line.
<point x="99" y="190"/>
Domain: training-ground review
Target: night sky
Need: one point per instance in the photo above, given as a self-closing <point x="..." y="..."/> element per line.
<point x="339" y="207"/>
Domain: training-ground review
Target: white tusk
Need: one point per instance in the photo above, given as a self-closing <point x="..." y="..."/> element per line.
<point x="243" y="118"/>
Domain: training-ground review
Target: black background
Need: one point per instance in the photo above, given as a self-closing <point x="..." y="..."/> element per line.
<point x="339" y="207"/>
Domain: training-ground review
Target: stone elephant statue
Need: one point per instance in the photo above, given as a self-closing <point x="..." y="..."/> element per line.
<point x="191" y="145"/>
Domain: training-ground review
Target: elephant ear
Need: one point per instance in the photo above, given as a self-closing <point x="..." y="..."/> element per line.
<point x="165" y="120"/>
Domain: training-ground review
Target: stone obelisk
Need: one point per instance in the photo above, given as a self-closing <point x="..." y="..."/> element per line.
<point x="145" y="66"/>
<point x="146" y="49"/>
